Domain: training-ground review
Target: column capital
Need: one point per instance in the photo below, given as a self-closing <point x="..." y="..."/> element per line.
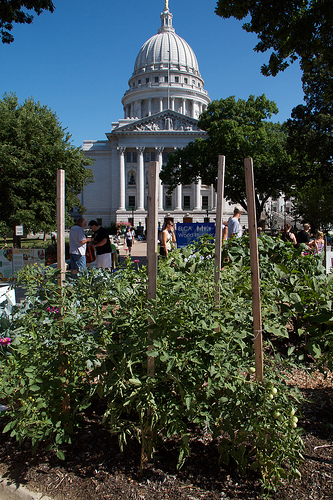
<point x="141" y="149"/>
<point x="121" y="149"/>
<point x="159" y="149"/>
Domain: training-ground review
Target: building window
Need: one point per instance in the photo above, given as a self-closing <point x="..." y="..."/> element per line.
<point x="166" y="79"/>
<point x="147" y="80"/>
<point x="164" y="158"/>
<point x="131" y="201"/>
<point x="187" y="202"/>
<point x="185" y="80"/>
<point x="146" y="157"/>
<point x="205" y="202"/>
<point x="131" y="178"/>
<point x="177" y="79"/>
<point x="139" y="82"/>
<point x="168" y="201"/>
<point x="156" y="79"/>
<point x="152" y="156"/>
<point x="131" y="157"/>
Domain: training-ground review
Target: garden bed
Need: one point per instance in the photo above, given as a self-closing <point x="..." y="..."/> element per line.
<point x="96" y="469"/>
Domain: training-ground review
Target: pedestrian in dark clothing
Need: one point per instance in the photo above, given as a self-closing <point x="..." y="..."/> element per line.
<point x="101" y="243"/>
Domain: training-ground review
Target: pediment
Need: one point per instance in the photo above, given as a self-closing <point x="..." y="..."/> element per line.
<point x="165" y="121"/>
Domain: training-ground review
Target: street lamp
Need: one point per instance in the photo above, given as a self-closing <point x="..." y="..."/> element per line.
<point x="206" y="219"/>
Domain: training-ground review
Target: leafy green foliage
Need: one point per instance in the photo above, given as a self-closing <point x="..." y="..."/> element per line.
<point x="33" y="146"/>
<point x="99" y="334"/>
<point x="280" y="26"/>
<point x="51" y="358"/>
<point x="236" y="129"/>
<point x="15" y="12"/>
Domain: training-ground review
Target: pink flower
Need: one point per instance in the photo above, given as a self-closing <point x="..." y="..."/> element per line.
<point x="53" y="309"/>
<point x="5" y="341"/>
<point x="136" y="261"/>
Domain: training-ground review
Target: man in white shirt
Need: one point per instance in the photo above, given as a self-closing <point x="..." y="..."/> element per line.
<point x="234" y="227"/>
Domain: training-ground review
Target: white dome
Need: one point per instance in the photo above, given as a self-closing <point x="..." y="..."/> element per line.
<point x="166" y="76"/>
<point x="163" y="49"/>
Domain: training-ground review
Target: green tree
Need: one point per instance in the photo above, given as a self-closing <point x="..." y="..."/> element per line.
<point x="310" y="139"/>
<point x="292" y="29"/>
<point x="33" y="146"/>
<point x="313" y="202"/>
<point x="236" y="129"/>
<point x="14" y="11"/>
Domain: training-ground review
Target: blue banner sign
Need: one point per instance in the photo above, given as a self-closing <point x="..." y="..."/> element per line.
<point x="187" y="233"/>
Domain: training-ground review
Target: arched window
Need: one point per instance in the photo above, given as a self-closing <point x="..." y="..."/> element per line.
<point x="131" y="181"/>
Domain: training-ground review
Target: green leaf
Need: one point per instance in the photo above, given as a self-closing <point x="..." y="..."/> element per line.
<point x="134" y="381"/>
<point x="61" y="455"/>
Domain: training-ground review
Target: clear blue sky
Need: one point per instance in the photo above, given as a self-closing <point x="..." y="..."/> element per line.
<point x="78" y="60"/>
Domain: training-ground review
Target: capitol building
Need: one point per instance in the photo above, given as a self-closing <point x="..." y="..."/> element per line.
<point x="162" y="105"/>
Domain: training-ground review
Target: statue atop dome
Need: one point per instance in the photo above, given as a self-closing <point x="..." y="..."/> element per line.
<point x="166" y="7"/>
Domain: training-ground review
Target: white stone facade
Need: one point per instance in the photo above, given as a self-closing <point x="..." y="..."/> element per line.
<point x="166" y="95"/>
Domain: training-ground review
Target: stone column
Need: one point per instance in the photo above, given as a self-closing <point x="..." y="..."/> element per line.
<point x="159" y="151"/>
<point x="138" y="107"/>
<point x="179" y="192"/>
<point x="172" y="103"/>
<point x="121" y="151"/>
<point x="141" y="181"/>
<point x="149" y="107"/>
<point x="184" y="107"/>
<point x="212" y="197"/>
<point x="132" y="110"/>
<point x="197" y="195"/>
<point x="161" y="103"/>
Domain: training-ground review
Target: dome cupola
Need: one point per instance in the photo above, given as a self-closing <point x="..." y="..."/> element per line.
<point x="166" y="76"/>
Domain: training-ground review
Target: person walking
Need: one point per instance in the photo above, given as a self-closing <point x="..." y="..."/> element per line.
<point x="129" y="237"/>
<point x="77" y="245"/>
<point x="234" y="227"/>
<point x="167" y="237"/>
<point x="101" y="243"/>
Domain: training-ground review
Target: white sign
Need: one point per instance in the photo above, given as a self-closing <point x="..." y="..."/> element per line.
<point x="19" y="230"/>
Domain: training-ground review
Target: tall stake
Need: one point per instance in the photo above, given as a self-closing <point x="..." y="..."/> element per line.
<point x="218" y="227"/>
<point x="65" y="404"/>
<point x="61" y="224"/>
<point x="254" y="259"/>
<point x="152" y="209"/>
<point x="152" y="243"/>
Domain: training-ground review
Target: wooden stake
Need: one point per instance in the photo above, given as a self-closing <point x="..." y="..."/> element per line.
<point x="254" y="259"/>
<point x="152" y="224"/>
<point x="218" y="227"/>
<point x="61" y="225"/>
<point x="65" y="404"/>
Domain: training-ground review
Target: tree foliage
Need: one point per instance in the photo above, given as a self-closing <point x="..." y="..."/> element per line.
<point x="310" y="140"/>
<point x="236" y="129"/>
<point x="14" y="11"/>
<point x="33" y="146"/>
<point x="293" y="29"/>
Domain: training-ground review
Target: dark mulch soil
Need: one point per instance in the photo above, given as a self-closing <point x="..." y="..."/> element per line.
<point x="95" y="468"/>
